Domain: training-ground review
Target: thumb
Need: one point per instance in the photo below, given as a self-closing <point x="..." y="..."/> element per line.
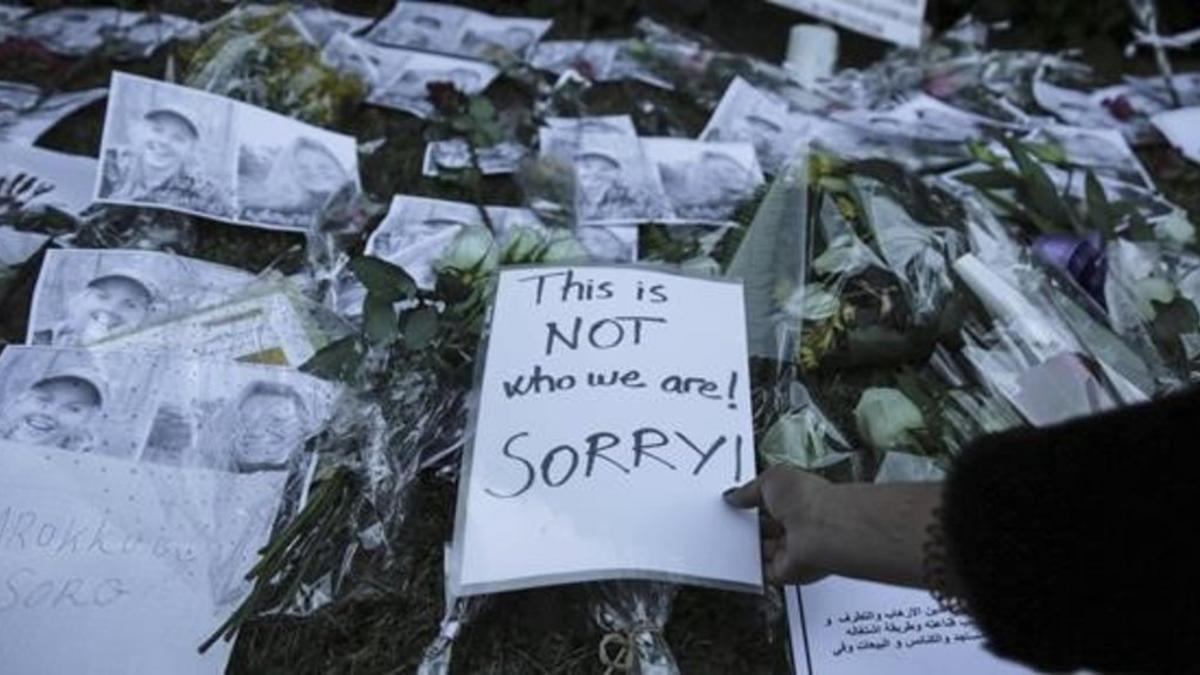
<point x="747" y="496"/>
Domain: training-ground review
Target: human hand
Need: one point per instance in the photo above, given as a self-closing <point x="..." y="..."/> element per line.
<point x="790" y="504"/>
<point x="813" y="528"/>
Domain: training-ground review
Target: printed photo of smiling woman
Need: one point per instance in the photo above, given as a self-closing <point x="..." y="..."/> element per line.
<point x="55" y="411"/>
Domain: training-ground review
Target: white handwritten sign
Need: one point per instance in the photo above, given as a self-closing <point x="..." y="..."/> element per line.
<point x="897" y="21"/>
<point x="110" y="566"/>
<point x="845" y="627"/>
<point x="614" y="409"/>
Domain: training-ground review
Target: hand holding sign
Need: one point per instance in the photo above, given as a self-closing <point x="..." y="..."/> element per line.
<point x="613" y="411"/>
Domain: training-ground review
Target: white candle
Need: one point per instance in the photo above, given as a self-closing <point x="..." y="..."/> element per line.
<point x="812" y="51"/>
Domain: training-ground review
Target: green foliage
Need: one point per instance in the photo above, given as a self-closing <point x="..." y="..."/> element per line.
<point x="390" y="283"/>
<point x="256" y="55"/>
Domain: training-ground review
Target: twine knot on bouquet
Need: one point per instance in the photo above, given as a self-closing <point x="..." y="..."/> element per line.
<point x="617" y="648"/>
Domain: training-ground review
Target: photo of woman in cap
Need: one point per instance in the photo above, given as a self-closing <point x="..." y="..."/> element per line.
<point x="55" y="411"/>
<point x="105" y="305"/>
<point x="171" y="148"/>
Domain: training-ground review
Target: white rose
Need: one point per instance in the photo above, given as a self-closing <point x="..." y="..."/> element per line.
<point x="522" y="245"/>
<point x="473" y="249"/>
<point x="565" y="248"/>
<point x="1151" y="290"/>
<point x="1176" y="229"/>
<point x="701" y="266"/>
<point x="885" y="418"/>
<point x="812" y="303"/>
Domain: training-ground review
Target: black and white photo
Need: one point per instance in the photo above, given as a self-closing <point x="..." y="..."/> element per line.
<point x="25" y="114"/>
<point x="234" y="417"/>
<point x="1102" y="151"/>
<point x="418" y="230"/>
<point x="76" y="31"/>
<point x="170" y="146"/>
<point x="705" y="181"/>
<point x="187" y="150"/>
<point x="76" y="400"/>
<point x="615" y="181"/>
<point x="87" y="295"/>
<point x="408" y="88"/>
<point x="926" y="118"/>
<point x="398" y="78"/>
<point x="287" y="175"/>
<point x="597" y="60"/>
<point x="449" y="29"/>
<point x="322" y="23"/>
<point x="748" y="114"/>
<point x="455" y="155"/>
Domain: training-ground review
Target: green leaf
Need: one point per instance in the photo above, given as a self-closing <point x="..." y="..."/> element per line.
<point x="1101" y="215"/>
<point x="991" y="179"/>
<point x="339" y="360"/>
<point x="383" y="279"/>
<point x="1172" y="320"/>
<point x="1041" y="193"/>
<point x="420" y="325"/>
<point x="1049" y="153"/>
<point x="379" y="319"/>
<point x="482" y="109"/>
<point x="980" y="152"/>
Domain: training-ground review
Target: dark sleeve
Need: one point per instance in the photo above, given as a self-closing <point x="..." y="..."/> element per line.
<point x="1071" y="542"/>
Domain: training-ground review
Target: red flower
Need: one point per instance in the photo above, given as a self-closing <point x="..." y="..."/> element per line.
<point x="1120" y="108"/>
<point x="23" y="50"/>
<point x="446" y="98"/>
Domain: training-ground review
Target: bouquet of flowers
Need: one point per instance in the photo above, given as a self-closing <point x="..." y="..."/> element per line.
<point x="264" y="56"/>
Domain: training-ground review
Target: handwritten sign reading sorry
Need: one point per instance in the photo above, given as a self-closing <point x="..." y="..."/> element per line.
<point x="614" y="410"/>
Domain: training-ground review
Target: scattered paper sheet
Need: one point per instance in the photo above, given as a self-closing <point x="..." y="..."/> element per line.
<point x="705" y="181"/>
<point x="925" y="117"/>
<point x="186" y="150"/>
<point x="631" y="488"/>
<point x="455" y="155"/>
<point x="1102" y="151"/>
<point x="62" y="181"/>
<point x="448" y="29"/>
<point x="17" y="246"/>
<point x="126" y="559"/>
<point x="25" y="116"/>
<point x="160" y="407"/>
<point x="135" y="493"/>
<point x="898" y="21"/>
<point x="322" y="23"/>
<point x="417" y="231"/>
<point x="844" y="626"/>
<point x="265" y="324"/>
<point x="1182" y="129"/>
<point x="76" y="31"/>
<point x="750" y="115"/>
<point x="85" y="295"/>
<point x="597" y="60"/>
<point x="615" y="183"/>
<point x="399" y="78"/>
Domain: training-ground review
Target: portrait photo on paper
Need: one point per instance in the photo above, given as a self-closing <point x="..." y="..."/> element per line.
<point x="288" y="173"/>
<point x="83" y="296"/>
<point x="75" y="400"/>
<point x="168" y="146"/>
